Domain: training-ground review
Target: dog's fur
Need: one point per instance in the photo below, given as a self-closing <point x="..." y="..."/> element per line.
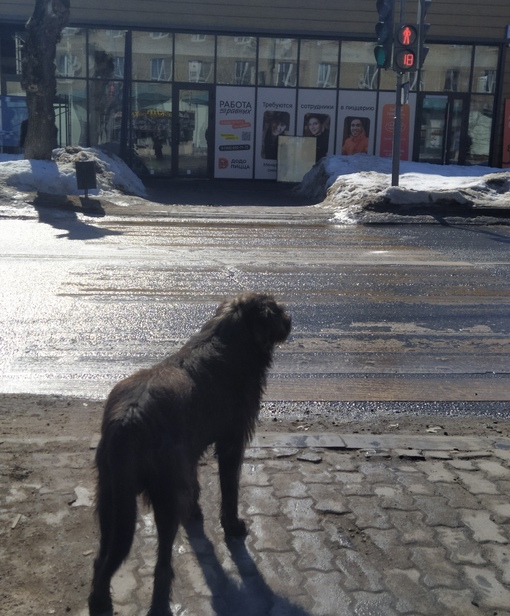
<point x="158" y="422"/>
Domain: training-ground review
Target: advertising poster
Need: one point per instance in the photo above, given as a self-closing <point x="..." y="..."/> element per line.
<point x="356" y="122"/>
<point x="276" y="115"/>
<point x="386" y="122"/>
<point x="235" y="118"/>
<point x="506" y="136"/>
<point x="316" y="117"/>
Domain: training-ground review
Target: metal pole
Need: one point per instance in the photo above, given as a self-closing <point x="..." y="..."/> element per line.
<point x="397" y="123"/>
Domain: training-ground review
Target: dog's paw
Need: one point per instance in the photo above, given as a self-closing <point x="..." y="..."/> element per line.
<point x="234" y="528"/>
<point x="100" y="607"/>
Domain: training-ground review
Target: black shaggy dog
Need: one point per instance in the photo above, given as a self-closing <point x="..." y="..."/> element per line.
<point x="158" y="422"/>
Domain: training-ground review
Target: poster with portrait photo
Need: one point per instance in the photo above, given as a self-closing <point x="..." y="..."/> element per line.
<point x="275" y="124"/>
<point x="356" y="104"/>
<point x="355" y="135"/>
<point x="317" y="114"/>
<point x="275" y="114"/>
<point x="318" y="125"/>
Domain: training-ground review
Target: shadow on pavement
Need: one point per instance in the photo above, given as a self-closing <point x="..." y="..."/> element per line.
<point x="61" y="213"/>
<point x="224" y="192"/>
<point x="253" y="596"/>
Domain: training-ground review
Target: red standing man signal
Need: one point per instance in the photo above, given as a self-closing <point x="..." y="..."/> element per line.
<point x="405" y="57"/>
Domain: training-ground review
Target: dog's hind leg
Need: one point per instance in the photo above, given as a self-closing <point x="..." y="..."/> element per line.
<point x="167" y="517"/>
<point x="230" y="458"/>
<point x="117" y="519"/>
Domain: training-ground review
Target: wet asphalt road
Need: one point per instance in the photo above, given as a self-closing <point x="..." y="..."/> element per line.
<point x="413" y="317"/>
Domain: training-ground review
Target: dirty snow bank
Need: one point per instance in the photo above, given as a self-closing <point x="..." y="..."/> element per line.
<point x="58" y="176"/>
<point x="349" y="185"/>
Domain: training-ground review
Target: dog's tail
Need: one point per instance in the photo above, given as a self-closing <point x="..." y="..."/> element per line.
<point x="117" y="490"/>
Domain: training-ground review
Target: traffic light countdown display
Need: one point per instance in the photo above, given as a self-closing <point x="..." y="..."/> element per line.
<point x="405" y="54"/>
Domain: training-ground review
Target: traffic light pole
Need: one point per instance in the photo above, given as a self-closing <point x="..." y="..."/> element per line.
<point x="397" y="131"/>
<point x="397" y="120"/>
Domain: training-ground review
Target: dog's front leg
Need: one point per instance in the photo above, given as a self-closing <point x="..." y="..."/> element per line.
<point x="230" y="459"/>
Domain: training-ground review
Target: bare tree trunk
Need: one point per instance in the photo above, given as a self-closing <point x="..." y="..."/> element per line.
<point x="38" y="79"/>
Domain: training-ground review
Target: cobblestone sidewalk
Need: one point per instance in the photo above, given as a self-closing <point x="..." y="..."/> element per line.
<point x="352" y="525"/>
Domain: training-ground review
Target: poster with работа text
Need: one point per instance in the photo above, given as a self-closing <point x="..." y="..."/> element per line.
<point x="234" y="135"/>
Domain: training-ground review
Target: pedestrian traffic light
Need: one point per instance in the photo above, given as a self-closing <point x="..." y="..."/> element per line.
<point x="384" y="33"/>
<point x="405" y="54"/>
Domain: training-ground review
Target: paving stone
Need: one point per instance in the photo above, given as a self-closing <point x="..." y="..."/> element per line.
<point x="326" y="590"/>
<point x="499" y="555"/>
<point x="393" y="497"/>
<point x="476" y="484"/>
<point x="288" y="484"/>
<point x="415" y="483"/>
<point x="484" y="529"/>
<point x="260" y="500"/>
<point x="489" y="591"/>
<point x="494" y="469"/>
<point x="411" y="596"/>
<point x="437" y="455"/>
<point x="312" y="553"/>
<point x="301" y="514"/>
<point x="124" y="583"/>
<point x="373" y="604"/>
<point x="254" y="474"/>
<point x="353" y="483"/>
<point x="280" y="573"/>
<point x="457" y="495"/>
<point x="473" y="455"/>
<point x="465" y="465"/>
<point x="337" y="535"/>
<point x="388" y="541"/>
<point x="437" y="511"/>
<point x="328" y="498"/>
<point x="267" y="533"/>
<point x="498" y="504"/>
<point x="436" y="570"/>
<point x="457" y="602"/>
<point x="409" y="454"/>
<point x="359" y="574"/>
<point x="367" y="512"/>
<point x="412" y="528"/>
<point x="459" y="545"/>
<point x="437" y="471"/>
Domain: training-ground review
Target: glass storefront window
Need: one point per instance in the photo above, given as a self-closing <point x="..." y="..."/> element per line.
<point x="358" y="70"/>
<point x="72" y="111"/>
<point x="485" y="69"/>
<point x="479" y="129"/>
<point x="318" y="64"/>
<point x="151" y="128"/>
<point x="152" y="56"/>
<point x="70" y="54"/>
<point x="105" y="111"/>
<point x="106" y="54"/>
<point x="278" y="62"/>
<point x="236" y="60"/>
<point x="447" y="68"/>
<point x="194" y="58"/>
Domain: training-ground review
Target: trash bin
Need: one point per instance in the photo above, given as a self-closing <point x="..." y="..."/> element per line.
<point x="86" y="175"/>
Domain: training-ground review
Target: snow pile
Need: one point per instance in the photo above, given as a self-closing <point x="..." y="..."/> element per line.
<point x="58" y="176"/>
<point x="350" y="185"/>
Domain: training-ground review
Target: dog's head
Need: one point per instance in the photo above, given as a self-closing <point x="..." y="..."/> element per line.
<point x="260" y="314"/>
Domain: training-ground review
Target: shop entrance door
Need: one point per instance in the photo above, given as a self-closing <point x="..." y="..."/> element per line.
<point x="443" y="137"/>
<point x="192" y="131"/>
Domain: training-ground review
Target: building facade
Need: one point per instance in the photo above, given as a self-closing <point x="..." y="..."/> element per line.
<point x="205" y="88"/>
